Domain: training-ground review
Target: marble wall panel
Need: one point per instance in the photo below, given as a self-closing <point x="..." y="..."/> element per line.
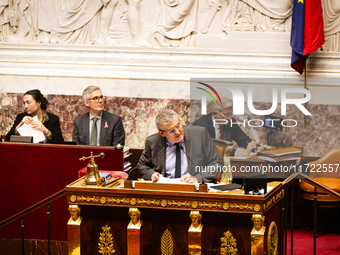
<point x="138" y="114"/>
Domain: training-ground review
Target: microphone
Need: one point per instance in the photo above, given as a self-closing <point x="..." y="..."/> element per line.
<point x="182" y="149"/>
<point x="131" y="170"/>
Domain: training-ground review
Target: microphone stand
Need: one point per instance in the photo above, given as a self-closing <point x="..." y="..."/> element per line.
<point x="203" y="187"/>
<point x="128" y="182"/>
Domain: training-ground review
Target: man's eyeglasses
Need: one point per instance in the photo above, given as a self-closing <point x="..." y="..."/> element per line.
<point x="172" y="131"/>
<point x="96" y="99"/>
<point x="227" y="115"/>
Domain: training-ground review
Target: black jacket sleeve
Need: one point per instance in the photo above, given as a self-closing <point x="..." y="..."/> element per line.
<point x="17" y="121"/>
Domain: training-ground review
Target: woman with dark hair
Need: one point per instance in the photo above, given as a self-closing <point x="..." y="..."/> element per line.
<point x="35" y="105"/>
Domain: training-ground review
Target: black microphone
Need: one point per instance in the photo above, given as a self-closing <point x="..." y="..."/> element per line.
<point x="182" y="149"/>
<point x="131" y="170"/>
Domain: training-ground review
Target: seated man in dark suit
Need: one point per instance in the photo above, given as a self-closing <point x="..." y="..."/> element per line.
<point x="97" y="127"/>
<point x="176" y="151"/>
<point x="228" y="132"/>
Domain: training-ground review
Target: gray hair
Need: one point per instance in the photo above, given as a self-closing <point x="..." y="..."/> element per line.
<point x="165" y="117"/>
<point x="88" y="91"/>
<point x="226" y="104"/>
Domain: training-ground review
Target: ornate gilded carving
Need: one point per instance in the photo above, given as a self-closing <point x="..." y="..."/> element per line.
<point x="227" y="206"/>
<point x="133" y="231"/>
<point x="196" y="218"/>
<point x="228" y="245"/>
<point x="194" y="204"/>
<point x="135" y="221"/>
<point x="167" y="245"/>
<point x="164" y="203"/>
<point x="195" y="233"/>
<point x="103" y="200"/>
<point x="133" y="201"/>
<point x="105" y="245"/>
<point x="274" y="199"/>
<point x="259" y="227"/>
<point x="75" y="218"/>
<point x="257" y="234"/>
<point x="73" y="227"/>
<point x="73" y="198"/>
<point x="272" y="239"/>
<point x="257" y="208"/>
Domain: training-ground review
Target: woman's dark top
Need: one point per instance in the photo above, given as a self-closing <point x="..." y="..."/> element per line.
<point x="50" y="121"/>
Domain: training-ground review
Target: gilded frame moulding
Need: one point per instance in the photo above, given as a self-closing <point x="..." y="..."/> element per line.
<point x="274" y="199"/>
<point x="166" y="203"/>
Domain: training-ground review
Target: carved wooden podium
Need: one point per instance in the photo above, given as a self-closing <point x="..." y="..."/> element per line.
<point x="139" y="221"/>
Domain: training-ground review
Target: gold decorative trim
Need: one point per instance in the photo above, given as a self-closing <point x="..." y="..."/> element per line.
<point x="274" y="199"/>
<point x="228" y="245"/>
<point x="227" y="206"/>
<point x="272" y="239"/>
<point x="105" y="245"/>
<point x="133" y="201"/>
<point x="195" y="233"/>
<point x="164" y="203"/>
<point x="103" y="200"/>
<point x="257" y="208"/>
<point x="194" y="204"/>
<point x="167" y="244"/>
<point x="73" y="198"/>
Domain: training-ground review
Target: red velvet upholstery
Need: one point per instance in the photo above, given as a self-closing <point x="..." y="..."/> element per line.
<point x="32" y="172"/>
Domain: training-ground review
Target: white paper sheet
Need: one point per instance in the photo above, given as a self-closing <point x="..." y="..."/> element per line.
<point x="27" y="130"/>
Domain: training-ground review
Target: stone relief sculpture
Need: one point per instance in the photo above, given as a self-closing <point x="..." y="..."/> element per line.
<point x="38" y="19"/>
<point x="80" y="22"/>
<point x="331" y="19"/>
<point x="176" y="23"/>
<point x="88" y="22"/>
<point x="9" y="20"/>
<point x="258" y="15"/>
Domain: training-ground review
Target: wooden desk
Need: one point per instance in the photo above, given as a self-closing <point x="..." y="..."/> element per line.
<point x="164" y="212"/>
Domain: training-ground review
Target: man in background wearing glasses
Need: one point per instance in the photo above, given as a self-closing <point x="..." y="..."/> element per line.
<point x="97" y="127"/>
<point x="228" y="132"/>
<point x="178" y="151"/>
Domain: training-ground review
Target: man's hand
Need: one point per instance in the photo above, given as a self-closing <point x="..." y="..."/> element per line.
<point x="264" y="148"/>
<point x="252" y="145"/>
<point x="188" y="178"/>
<point x="155" y="176"/>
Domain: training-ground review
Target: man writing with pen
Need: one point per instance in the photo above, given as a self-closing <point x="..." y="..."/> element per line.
<point x="229" y="132"/>
<point x="179" y="151"/>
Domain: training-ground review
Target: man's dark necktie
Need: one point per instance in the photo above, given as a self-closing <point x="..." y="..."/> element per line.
<point x="94" y="132"/>
<point x="178" y="161"/>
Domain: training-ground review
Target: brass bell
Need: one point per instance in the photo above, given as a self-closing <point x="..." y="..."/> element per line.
<point x="92" y="175"/>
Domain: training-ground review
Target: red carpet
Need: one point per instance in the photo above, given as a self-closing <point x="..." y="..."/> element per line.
<point x="326" y="244"/>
